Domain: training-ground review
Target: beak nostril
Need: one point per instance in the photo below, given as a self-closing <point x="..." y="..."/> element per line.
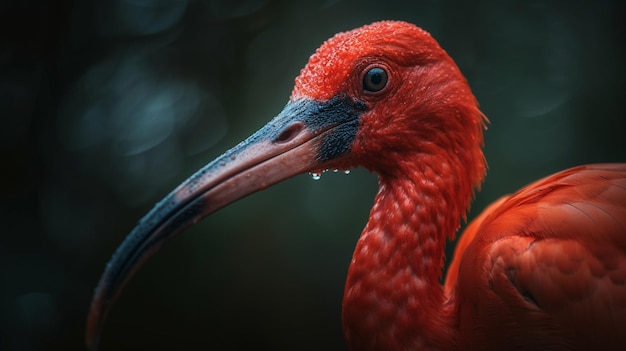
<point x="289" y="133"/>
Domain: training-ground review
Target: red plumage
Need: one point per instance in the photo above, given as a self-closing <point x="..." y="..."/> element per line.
<point x="544" y="268"/>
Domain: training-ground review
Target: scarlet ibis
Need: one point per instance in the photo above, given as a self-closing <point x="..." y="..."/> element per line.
<point x="543" y="268"/>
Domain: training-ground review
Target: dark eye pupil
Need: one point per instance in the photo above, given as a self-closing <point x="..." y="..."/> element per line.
<point x="375" y="79"/>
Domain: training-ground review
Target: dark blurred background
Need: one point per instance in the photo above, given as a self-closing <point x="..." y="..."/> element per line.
<point x="107" y="105"/>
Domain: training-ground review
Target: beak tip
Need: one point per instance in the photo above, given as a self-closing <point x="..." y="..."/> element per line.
<point x="95" y="321"/>
<point x="92" y="334"/>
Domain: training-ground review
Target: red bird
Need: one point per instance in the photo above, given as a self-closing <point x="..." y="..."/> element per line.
<point x="542" y="269"/>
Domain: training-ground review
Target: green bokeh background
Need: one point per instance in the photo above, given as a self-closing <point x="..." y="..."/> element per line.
<point x="107" y="105"/>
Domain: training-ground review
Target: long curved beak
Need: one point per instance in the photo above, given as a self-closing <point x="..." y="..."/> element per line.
<point x="306" y="136"/>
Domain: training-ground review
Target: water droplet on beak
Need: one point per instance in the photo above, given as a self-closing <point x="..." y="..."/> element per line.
<point x="316" y="175"/>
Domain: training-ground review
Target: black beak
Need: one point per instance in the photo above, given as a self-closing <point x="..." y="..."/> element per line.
<point x="306" y="136"/>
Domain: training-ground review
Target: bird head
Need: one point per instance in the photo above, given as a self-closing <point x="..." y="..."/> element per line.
<point x="407" y="95"/>
<point x="384" y="96"/>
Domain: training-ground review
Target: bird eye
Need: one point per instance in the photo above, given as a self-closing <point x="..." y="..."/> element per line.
<point x="375" y="80"/>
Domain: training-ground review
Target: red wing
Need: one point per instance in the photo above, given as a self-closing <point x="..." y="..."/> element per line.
<point x="461" y="245"/>
<point x="547" y="268"/>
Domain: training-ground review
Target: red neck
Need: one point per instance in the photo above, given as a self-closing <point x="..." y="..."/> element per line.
<point x="393" y="298"/>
